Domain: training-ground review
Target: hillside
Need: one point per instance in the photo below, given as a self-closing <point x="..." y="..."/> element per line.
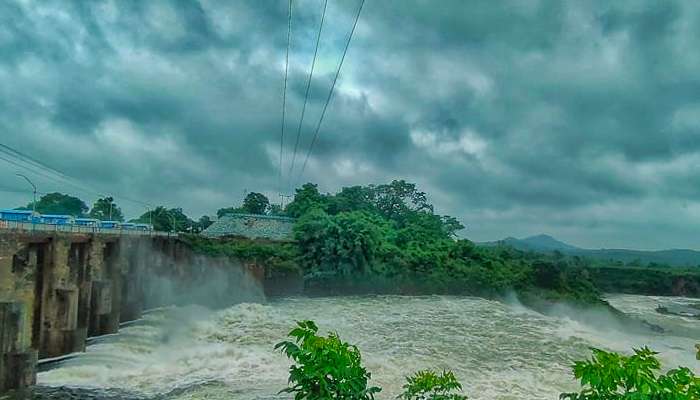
<point x="546" y="243"/>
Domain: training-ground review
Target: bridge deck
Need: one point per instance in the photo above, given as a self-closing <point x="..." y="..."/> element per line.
<point x="31" y="227"/>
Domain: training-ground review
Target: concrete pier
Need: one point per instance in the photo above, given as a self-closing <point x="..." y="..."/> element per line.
<point x="59" y="288"/>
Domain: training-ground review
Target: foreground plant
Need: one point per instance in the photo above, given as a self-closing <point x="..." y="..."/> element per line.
<point x="429" y="385"/>
<point x="325" y="367"/>
<point x="611" y="376"/>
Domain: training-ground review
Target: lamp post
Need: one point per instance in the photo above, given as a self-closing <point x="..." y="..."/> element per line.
<point x="34" y="192"/>
<point x="172" y="219"/>
<point x="150" y="216"/>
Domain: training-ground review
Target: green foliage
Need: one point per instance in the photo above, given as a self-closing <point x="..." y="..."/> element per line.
<point x="276" y="209"/>
<point x="167" y="220"/>
<point x="346" y="243"/>
<point x="325" y="368"/>
<point x="429" y="385"/>
<point x="255" y="203"/>
<point x="307" y="198"/>
<point x="648" y="281"/>
<point x="203" y="223"/>
<point x="390" y="232"/>
<point x="106" y="210"/>
<point x="399" y="198"/>
<point x="279" y="257"/>
<point x="230" y="210"/>
<point x="59" y="203"/>
<point x="611" y="376"/>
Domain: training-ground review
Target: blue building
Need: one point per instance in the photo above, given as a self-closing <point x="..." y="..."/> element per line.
<point x="109" y="224"/>
<point x="88" y="222"/>
<point x="16" y="215"/>
<point x="144" y="227"/>
<point x="53" y="219"/>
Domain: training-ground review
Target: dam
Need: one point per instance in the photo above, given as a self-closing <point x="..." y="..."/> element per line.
<point x="59" y="288"/>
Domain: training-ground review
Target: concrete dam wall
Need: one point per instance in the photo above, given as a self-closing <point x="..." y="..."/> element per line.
<point x="58" y="289"/>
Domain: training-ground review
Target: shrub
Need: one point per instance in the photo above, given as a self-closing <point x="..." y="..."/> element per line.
<point x="325" y="367"/>
<point x="428" y="385"/>
<point x="610" y="376"/>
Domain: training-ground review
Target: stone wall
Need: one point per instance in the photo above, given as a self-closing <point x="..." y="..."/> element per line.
<point x="252" y="227"/>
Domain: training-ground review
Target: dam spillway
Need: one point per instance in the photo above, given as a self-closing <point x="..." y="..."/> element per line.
<point x="59" y="288"/>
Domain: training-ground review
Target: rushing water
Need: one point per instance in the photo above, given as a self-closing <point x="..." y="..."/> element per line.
<point x="498" y="351"/>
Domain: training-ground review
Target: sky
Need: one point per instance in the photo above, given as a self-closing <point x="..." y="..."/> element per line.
<point x="579" y="119"/>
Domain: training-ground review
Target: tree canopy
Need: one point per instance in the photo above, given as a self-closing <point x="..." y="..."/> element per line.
<point x="167" y="220"/>
<point x="255" y="203"/>
<point x="106" y="210"/>
<point x="59" y="203"/>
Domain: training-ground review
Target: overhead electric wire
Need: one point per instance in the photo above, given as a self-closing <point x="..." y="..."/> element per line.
<point x="284" y="92"/>
<point x="18" y="154"/>
<point x="308" y="86"/>
<point x="330" y="93"/>
<point x="34" y="166"/>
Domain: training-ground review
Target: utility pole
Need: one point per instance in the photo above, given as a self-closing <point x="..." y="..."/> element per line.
<point x="34" y="191"/>
<point x="111" y="200"/>
<point x="282" y="197"/>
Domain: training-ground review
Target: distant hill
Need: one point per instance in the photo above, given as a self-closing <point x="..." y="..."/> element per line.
<point x="538" y="243"/>
<point x="546" y="244"/>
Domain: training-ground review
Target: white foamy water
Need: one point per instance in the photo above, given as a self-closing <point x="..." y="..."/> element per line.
<point x="498" y="351"/>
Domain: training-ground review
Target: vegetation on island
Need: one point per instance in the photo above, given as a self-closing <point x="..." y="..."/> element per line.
<point x="388" y="239"/>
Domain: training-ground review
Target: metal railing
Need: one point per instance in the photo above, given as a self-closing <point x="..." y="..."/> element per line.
<point x="70" y="228"/>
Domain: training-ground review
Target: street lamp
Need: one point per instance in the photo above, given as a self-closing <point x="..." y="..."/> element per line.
<point x="172" y="219"/>
<point x="34" y="191"/>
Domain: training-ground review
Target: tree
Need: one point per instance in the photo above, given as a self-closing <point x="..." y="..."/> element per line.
<point x="59" y="203"/>
<point x="203" y="223"/>
<point x="167" y="220"/>
<point x="105" y="209"/>
<point x="354" y="198"/>
<point x="611" y="376"/>
<point x="276" y="209"/>
<point x="229" y="210"/>
<point x="255" y="203"/>
<point x="398" y="197"/>
<point x="306" y="199"/>
<point x="451" y="225"/>
<point x="325" y="368"/>
<point x="345" y="244"/>
<point x="429" y="385"/>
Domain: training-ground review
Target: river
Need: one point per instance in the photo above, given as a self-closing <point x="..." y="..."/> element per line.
<point x="498" y="351"/>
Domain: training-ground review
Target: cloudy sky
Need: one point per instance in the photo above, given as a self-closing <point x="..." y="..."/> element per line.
<point x="580" y="119"/>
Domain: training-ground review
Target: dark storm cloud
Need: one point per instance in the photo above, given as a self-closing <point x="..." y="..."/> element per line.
<point x="579" y="119"/>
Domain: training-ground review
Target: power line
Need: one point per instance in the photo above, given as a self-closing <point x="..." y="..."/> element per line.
<point x="19" y="156"/>
<point x="284" y="92"/>
<point x="308" y="86"/>
<point x="330" y="93"/>
<point x="16" y="155"/>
